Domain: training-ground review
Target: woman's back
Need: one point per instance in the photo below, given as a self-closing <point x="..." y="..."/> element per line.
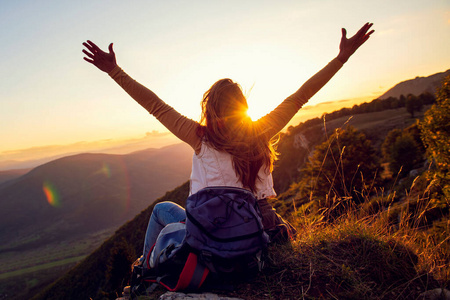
<point x="211" y="167"/>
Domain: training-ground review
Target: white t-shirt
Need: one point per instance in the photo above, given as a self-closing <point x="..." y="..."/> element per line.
<point x="215" y="168"/>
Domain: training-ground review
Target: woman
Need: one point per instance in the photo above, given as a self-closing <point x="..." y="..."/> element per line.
<point x="230" y="149"/>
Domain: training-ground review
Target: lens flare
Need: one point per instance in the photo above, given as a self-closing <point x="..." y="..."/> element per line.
<point x="51" y="193"/>
<point x="106" y="170"/>
<point x="127" y="185"/>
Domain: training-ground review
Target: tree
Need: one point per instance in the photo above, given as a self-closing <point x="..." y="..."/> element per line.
<point x="413" y="104"/>
<point x="401" y="150"/>
<point x="404" y="154"/>
<point x="427" y="98"/>
<point x="402" y="100"/>
<point x="435" y="133"/>
<point x="388" y="142"/>
<point x="343" y="166"/>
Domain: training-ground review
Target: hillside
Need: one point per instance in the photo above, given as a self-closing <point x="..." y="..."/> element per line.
<point x="12" y="174"/>
<point x="416" y="86"/>
<point x="391" y="246"/>
<point x="55" y="214"/>
<point x="345" y="256"/>
<point x="87" y="192"/>
<point x="297" y="144"/>
<point x="375" y="119"/>
<point x="103" y="271"/>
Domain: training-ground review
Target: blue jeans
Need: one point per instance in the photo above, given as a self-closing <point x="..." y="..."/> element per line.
<point x="163" y="214"/>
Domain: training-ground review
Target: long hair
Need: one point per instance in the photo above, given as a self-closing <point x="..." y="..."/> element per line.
<point x="227" y="127"/>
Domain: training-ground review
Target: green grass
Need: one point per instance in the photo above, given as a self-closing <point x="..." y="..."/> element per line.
<point x="26" y="272"/>
<point x="42" y="267"/>
<point x="51" y="252"/>
<point x="25" y="285"/>
<point x="395" y="118"/>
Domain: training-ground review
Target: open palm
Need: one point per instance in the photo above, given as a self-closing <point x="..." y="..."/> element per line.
<point x="349" y="46"/>
<point x="103" y="60"/>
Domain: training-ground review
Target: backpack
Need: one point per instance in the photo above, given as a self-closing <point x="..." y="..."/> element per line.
<point x="170" y="263"/>
<point x="224" y="227"/>
<point x="223" y="237"/>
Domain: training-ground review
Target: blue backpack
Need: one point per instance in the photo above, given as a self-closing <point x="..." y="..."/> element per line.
<point x="222" y="238"/>
<point x="224" y="227"/>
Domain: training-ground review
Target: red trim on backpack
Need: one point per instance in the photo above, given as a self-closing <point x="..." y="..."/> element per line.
<point x="148" y="255"/>
<point x="205" y="274"/>
<point x="188" y="272"/>
<point x="167" y="287"/>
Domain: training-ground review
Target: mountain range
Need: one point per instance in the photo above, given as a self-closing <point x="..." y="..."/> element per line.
<point x="85" y="193"/>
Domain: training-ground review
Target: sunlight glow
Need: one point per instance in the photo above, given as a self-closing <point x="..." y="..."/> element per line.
<point x="254" y="113"/>
<point x="269" y="49"/>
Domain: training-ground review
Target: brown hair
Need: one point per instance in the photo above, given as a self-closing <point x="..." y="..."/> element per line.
<point x="227" y="127"/>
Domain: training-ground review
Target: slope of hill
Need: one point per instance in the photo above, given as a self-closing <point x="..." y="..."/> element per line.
<point x="12" y="174"/>
<point x="416" y="86"/>
<point x="85" y="193"/>
<point x="56" y="214"/>
<point x="101" y="274"/>
<point x="297" y="144"/>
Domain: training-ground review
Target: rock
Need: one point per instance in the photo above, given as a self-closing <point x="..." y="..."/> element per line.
<point x="414" y="173"/>
<point x="436" y="294"/>
<point x="202" y="296"/>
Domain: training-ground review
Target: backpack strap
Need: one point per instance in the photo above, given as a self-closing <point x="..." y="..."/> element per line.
<point x="191" y="277"/>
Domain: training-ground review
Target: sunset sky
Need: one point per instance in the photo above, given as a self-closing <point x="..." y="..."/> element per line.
<point x="52" y="101"/>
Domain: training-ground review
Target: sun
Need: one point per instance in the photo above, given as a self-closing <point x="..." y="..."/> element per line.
<point x="255" y="112"/>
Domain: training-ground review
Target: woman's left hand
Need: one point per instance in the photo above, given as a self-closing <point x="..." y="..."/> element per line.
<point x="102" y="60"/>
<point x="349" y="46"/>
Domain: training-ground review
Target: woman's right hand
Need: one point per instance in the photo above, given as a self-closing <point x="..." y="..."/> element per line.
<point x="102" y="60"/>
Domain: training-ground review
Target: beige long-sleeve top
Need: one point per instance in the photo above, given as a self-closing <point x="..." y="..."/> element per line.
<point x="186" y="129"/>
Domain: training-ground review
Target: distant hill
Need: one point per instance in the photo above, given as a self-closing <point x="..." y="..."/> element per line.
<point x="11" y="174"/>
<point x="416" y="86"/>
<point x="84" y="193"/>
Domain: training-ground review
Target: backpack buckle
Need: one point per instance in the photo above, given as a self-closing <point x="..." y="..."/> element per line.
<point x="206" y="256"/>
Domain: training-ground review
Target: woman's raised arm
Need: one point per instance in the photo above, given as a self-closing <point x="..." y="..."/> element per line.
<point x="280" y="116"/>
<point x="182" y="127"/>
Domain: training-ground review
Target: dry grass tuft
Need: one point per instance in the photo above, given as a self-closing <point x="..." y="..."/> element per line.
<point x="350" y="259"/>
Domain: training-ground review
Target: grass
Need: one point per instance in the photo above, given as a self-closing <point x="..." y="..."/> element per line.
<point x="42" y="267"/>
<point x="357" y="256"/>
<point x="391" y="246"/>
<point x="49" y="252"/>
<point x="25" y="272"/>
<point x="352" y="258"/>
<point x="23" y="285"/>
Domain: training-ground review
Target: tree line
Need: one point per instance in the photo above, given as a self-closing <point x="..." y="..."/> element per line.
<point x="411" y="102"/>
